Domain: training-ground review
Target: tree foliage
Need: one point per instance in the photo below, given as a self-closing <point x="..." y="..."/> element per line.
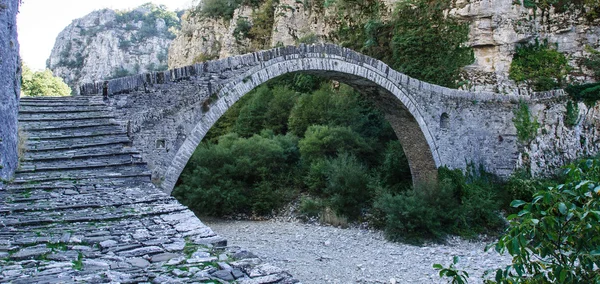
<point x="238" y="175"/>
<point x="555" y="238"/>
<point x="417" y="38"/>
<point x="42" y="84"/>
<point x="429" y="45"/>
<point x="526" y="126"/>
<point x="351" y="140"/>
<point x="539" y="66"/>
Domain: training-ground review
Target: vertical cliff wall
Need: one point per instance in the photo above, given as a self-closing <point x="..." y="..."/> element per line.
<point x="497" y="27"/>
<point x="10" y="87"/>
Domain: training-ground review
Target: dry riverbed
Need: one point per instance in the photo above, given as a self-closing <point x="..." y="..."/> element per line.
<point x="324" y="254"/>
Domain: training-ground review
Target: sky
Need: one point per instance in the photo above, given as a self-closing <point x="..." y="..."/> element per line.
<point x="40" y="21"/>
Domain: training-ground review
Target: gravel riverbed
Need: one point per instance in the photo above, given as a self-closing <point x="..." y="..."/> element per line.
<point x="323" y="254"/>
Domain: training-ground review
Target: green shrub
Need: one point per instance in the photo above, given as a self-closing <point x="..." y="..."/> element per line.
<point x="242" y="28"/>
<point x="592" y="61"/>
<point x="239" y="175"/>
<point x="526" y="128"/>
<point x="572" y="115"/>
<point x="328" y="142"/>
<point x="347" y="186"/>
<point x="463" y="204"/>
<point x="394" y="170"/>
<point x="119" y="72"/>
<point x="539" y="66"/>
<point x="262" y="25"/>
<point x="427" y="44"/>
<point x="309" y="38"/>
<point x="555" y="238"/>
<point x="418" y="213"/>
<point x="310" y="207"/>
<point x="219" y="8"/>
<point x="588" y="93"/>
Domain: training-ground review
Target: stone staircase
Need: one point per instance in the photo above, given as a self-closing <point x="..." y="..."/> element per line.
<point x="81" y="208"/>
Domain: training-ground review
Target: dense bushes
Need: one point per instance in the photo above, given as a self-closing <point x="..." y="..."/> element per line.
<point x="427" y="44"/>
<point x="331" y="147"/>
<point x="326" y="142"/>
<point x="417" y="39"/>
<point x="239" y="175"/>
<point x="539" y="66"/>
<point x="558" y="232"/>
<point x="555" y="237"/>
<point x="465" y="204"/>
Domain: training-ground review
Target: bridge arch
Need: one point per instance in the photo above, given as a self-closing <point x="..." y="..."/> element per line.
<point x="373" y="78"/>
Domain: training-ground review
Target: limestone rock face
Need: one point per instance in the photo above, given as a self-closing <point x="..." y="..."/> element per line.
<point x="557" y="143"/>
<point x="204" y="38"/>
<point x="108" y="44"/>
<point x="10" y="87"/>
<point x="496" y="27"/>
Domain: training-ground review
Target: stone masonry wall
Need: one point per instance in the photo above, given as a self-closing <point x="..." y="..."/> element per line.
<point x="168" y="113"/>
<point x="10" y="87"/>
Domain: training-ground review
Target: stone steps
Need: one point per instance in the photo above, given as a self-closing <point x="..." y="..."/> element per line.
<point x="60" y="104"/>
<point x="25" y="110"/>
<point x="82" y="152"/>
<point x="89" y="131"/>
<point x="69" y="143"/>
<point x="72" y="202"/>
<point x="78" y="163"/>
<point x="58" y="125"/>
<point x="82" y="209"/>
<point x="66" y="98"/>
<point x="38" y="200"/>
<point x="80" y="185"/>
<point x="99" y="213"/>
<point x="60" y="117"/>
<point x="78" y="175"/>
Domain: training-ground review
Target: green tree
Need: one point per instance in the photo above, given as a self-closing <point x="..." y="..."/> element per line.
<point x="329" y="142"/>
<point x="253" y="115"/>
<point x="239" y="175"/>
<point x="539" y="66"/>
<point x="429" y="45"/>
<point x="347" y="186"/>
<point x="526" y="127"/>
<point x="42" y="84"/>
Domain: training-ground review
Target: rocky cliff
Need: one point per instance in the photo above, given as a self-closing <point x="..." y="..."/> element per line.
<point x="10" y="87"/>
<point x="559" y="142"/>
<point x="109" y="44"/>
<point x="496" y="28"/>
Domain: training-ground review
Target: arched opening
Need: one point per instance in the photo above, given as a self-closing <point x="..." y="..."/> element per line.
<point x="296" y="135"/>
<point x="445" y="121"/>
<point x="397" y="105"/>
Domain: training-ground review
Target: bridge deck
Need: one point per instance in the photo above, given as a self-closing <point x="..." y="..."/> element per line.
<point x="82" y="209"/>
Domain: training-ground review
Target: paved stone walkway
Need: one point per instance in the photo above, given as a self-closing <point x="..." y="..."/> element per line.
<point x="82" y="209"/>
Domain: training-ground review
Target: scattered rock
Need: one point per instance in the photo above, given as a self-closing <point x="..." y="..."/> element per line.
<point x="224" y="275"/>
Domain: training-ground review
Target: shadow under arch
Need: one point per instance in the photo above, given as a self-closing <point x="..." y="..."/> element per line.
<point x="388" y="95"/>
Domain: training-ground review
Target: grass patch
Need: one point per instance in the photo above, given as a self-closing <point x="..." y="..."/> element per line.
<point x="78" y="264"/>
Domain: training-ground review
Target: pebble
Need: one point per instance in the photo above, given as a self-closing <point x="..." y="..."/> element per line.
<point x="324" y="254"/>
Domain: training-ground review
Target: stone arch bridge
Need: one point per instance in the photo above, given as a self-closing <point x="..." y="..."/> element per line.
<point x="168" y="113"/>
